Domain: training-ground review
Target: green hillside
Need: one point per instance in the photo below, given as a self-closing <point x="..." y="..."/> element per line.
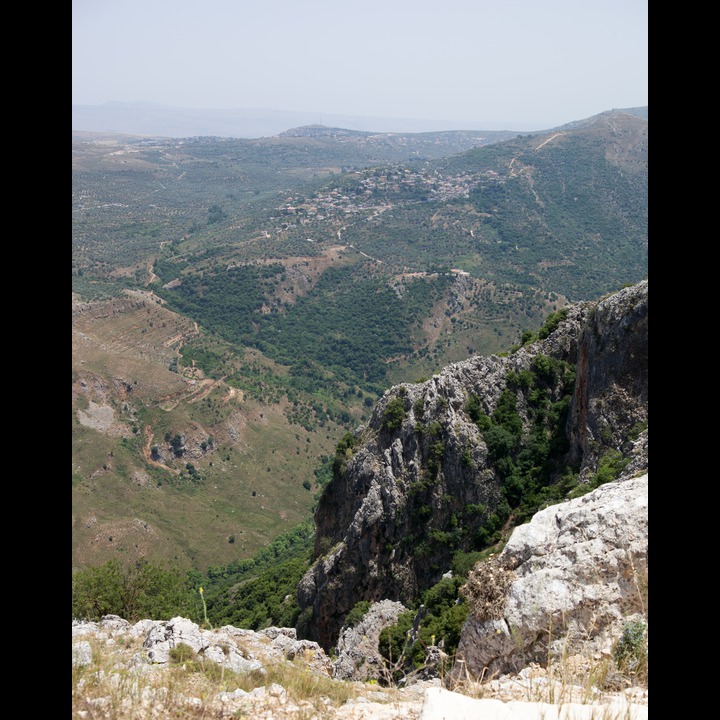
<point x="238" y="305"/>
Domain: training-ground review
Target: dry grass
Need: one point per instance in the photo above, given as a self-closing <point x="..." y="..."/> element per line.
<point x="118" y="684"/>
<point x="114" y="687"/>
<point x="486" y="589"/>
<point x="566" y="685"/>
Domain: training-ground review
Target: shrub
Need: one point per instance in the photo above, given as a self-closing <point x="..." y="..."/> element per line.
<point x="343" y="452"/>
<point x="357" y="613"/>
<point x="439" y="618"/>
<point x="394" y="640"/>
<point x="423" y="512"/>
<point x="637" y="429"/>
<point x="434" y="429"/>
<point x="506" y="415"/>
<point x="181" y="653"/>
<point x="463" y="562"/>
<point x="552" y="322"/>
<point x="394" y="414"/>
<point x="486" y="588"/>
<point x="611" y="464"/>
<point x="630" y="653"/>
<point x="473" y="407"/>
<point x="546" y="367"/>
<point x="500" y="442"/>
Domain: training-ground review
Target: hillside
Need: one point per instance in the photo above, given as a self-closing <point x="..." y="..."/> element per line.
<point x="484" y="535"/>
<point x="231" y="304"/>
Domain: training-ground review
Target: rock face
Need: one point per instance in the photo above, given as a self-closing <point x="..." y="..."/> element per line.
<point x="424" y="478"/>
<point x="357" y="649"/>
<point x="578" y="572"/>
<point x="611" y="392"/>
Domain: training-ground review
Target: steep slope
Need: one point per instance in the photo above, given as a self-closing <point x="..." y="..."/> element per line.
<point x="442" y="465"/>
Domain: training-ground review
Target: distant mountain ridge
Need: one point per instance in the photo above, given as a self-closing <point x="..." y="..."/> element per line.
<point x="166" y="121"/>
<point x="640" y="112"/>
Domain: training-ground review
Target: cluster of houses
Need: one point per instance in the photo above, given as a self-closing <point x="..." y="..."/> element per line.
<point x="377" y="190"/>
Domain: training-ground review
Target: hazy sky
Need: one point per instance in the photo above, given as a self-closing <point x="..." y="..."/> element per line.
<point x="517" y="64"/>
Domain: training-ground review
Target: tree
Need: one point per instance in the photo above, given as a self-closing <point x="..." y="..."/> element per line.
<point x="215" y="214"/>
<point x="394" y="414"/>
<point x="134" y="591"/>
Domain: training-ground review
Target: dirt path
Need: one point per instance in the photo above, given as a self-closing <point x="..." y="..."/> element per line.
<point x="206" y="387"/>
<point x="552" y="137"/>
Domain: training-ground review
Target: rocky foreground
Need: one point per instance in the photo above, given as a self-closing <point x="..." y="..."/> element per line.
<point x="176" y="669"/>
<point x="583" y="561"/>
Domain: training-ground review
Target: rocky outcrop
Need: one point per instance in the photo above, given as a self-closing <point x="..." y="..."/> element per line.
<point x="150" y="671"/>
<point x="357" y="648"/>
<point x="577" y="574"/>
<point x="235" y="649"/>
<point x="422" y="480"/>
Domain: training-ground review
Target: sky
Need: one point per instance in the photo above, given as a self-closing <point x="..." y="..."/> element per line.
<point x="502" y="64"/>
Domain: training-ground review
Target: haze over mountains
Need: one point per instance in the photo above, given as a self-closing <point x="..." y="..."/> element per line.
<point x="166" y="121"/>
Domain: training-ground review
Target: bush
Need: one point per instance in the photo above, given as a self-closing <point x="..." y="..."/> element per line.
<point x="343" y="452"/>
<point x="357" y="613"/>
<point x="394" y="642"/>
<point x="610" y="466"/>
<point x="439" y="619"/>
<point x="486" y="588"/>
<point x="630" y="653"/>
<point x="133" y="591"/>
<point x="394" y="414"/>
<point x="182" y="653"/>
<point x="552" y="322"/>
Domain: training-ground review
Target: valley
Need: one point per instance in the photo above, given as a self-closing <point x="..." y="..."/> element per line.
<point x="238" y="306"/>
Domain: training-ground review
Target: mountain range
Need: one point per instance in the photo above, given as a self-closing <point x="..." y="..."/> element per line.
<point x="240" y="304"/>
<point x="152" y="119"/>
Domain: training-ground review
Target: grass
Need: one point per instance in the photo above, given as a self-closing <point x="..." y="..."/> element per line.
<point x="108" y="690"/>
<point x="110" y="687"/>
<point x="115" y="488"/>
<point x="567" y="681"/>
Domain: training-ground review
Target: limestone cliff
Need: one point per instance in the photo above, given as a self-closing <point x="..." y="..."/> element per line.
<point x="571" y="579"/>
<point x="445" y="464"/>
